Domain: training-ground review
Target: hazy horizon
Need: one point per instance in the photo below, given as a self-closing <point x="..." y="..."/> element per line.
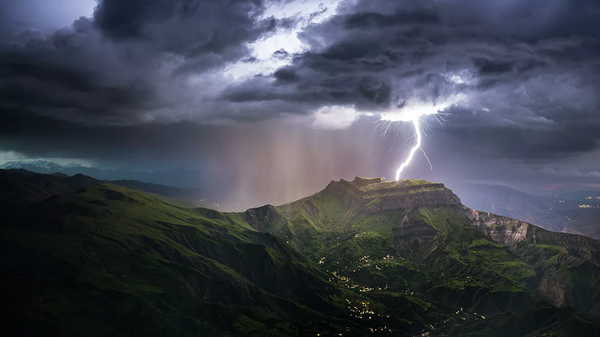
<point x="274" y="98"/>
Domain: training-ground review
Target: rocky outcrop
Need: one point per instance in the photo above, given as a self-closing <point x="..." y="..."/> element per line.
<point x="511" y="232"/>
<point x="506" y="231"/>
<point x="372" y="195"/>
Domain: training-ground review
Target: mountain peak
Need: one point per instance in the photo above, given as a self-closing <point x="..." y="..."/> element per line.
<point x="362" y="181"/>
<point x="38" y="166"/>
<point x="376" y="194"/>
<point x="375" y="184"/>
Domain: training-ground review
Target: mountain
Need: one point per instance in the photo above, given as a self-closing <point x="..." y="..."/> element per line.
<point x="181" y="185"/>
<point x="177" y="177"/>
<point x="575" y="212"/>
<point x="38" y="166"/>
<point x="21" y="188"/>
<point x="426" y="224"/>
<point x="106" y="260"/>
<point x="360" y="258"/>
<point x="513" y="203"/>
<point x="193" y="197"/>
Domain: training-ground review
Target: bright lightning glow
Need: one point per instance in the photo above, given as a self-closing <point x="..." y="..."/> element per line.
<point x="412" y="111"/>
<point x="417" y="126"/>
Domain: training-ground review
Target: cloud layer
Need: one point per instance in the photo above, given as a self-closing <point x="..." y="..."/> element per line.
<point x="528" y="69"/>
<point x="518" y="81"/>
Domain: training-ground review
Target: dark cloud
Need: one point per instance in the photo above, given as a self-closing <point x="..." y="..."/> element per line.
<point x="131" y="63"/>
<point x="281" y="53"/>
<point x="522" y="142"/>
<point x="373" y="20"/>
<point x="487" y="67"/>
<point x="147" y="81"/>
<point x="190" y="28"/>
<point x="285" y="75"/>
<point x="527" y="69"/>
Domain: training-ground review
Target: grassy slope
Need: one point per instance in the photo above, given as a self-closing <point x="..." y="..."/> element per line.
<point x="112" y="261"/>
<point x="423" y="279"/>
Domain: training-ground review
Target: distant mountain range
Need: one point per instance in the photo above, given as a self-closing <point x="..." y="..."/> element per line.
<point x="193" y="197"/>
<point x="573" y="212"/>
<point x="560" y="213"/>
<point x="360" y="258"/>
<point x="38" y="166"/>
<point x="178" y="177"/>
<point x="188" y="187"/>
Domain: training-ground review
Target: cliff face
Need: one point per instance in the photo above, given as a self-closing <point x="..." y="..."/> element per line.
<point x="377" y="194"/>
<point x="511" y="232"/>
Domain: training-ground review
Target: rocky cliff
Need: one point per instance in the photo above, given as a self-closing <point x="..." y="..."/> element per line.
<point x="372" y="195"/>
<point x="511" y="232"/>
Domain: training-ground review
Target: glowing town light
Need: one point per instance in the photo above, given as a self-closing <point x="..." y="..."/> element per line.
<point x="414" y="149"/>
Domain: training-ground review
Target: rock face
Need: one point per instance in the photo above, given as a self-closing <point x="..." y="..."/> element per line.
<point x="510" y="232"/>
<point x="372" y="195"/>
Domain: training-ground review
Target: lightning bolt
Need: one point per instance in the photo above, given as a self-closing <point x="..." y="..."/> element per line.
<point x="413" y="111"/>
<point x="419" y="138"/>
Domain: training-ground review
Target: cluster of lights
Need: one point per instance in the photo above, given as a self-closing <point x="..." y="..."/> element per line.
<point x="362" y="310"/>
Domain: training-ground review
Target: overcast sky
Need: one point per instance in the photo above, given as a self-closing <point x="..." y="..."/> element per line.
<point x="277" y="97"/>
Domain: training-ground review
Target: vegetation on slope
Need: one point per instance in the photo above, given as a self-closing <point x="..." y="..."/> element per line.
<point x="436" y="258"/>
<point x="105" y="260"/>
<point x="110" y="261"/>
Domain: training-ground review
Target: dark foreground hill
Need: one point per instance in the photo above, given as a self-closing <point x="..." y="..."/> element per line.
<point x="361" y="258"/>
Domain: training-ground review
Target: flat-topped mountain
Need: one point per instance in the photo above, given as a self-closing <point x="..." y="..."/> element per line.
<point x="376" y="194"/>
<point x="426" y="224"/>
<point x="360" y="258"/>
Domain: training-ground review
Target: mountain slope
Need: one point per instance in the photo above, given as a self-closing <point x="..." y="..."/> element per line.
<point x="177" y="177"/>
<point x="112" y="261"/>
<point x="512" y="203"/>
<point x="193" y="197"/>
<point x="359" y="258"/>
<point x="575" y="212"/>
<point x="419" y="236"/>
<point x="23" y="188"/>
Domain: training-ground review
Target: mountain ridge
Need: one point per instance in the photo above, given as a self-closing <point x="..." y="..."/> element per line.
<point x="176" y="177"/>
<point x="574" y="212"/>
<point x="129" y="263"/>
<point x="306" y="222"/>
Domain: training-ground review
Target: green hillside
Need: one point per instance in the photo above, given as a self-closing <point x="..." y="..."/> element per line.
<point x="362" y="258"/>
<point x="443" y="257"/>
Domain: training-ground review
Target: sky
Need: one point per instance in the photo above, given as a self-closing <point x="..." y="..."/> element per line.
<point x="272" y="99"/>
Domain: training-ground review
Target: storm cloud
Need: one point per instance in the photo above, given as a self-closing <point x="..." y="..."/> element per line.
<point x="133" y="62"/>
<point x="526" y="70"/>
<point x="518" y="83"/>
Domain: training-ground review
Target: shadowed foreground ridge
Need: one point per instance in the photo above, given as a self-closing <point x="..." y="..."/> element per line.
<point x="83" y="257"/>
